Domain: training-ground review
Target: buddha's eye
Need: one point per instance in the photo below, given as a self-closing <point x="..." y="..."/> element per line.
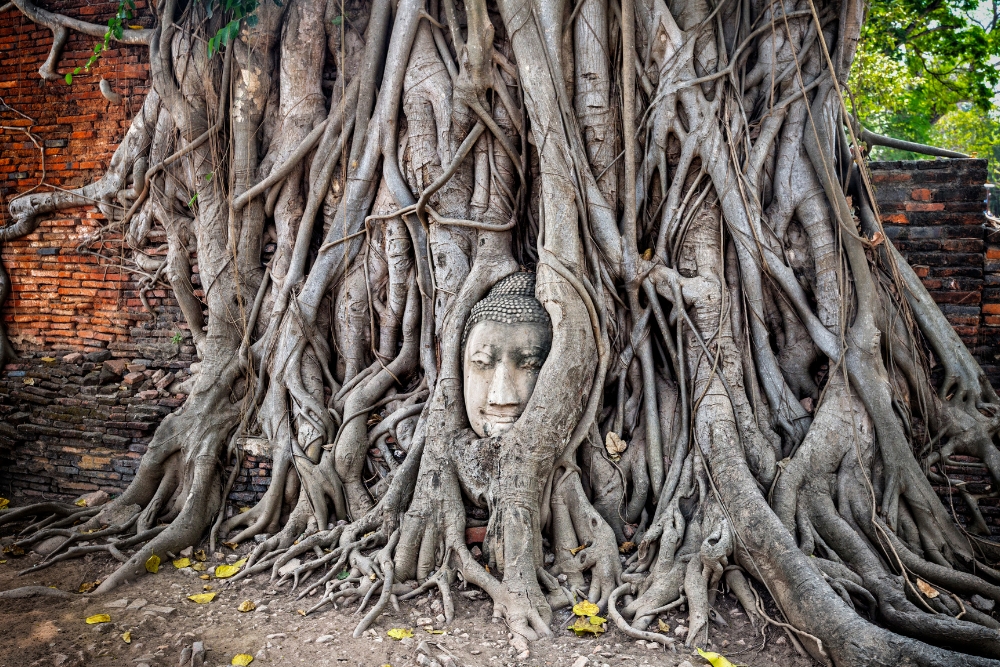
<point x="482" y="362"/>
<point x="531" y="364"/>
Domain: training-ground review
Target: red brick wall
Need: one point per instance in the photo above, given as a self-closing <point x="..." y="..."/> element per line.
<point x="934" y="212"/>
<point x="62" y="299"/>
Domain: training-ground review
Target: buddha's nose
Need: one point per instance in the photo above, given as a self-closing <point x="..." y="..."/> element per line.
<point x="502" y="388"/>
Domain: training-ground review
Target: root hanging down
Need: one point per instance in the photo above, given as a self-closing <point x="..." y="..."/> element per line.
<point x="717" y="377"/>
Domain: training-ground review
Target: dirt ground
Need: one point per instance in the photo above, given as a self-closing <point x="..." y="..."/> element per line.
<point x="50" y="631"/>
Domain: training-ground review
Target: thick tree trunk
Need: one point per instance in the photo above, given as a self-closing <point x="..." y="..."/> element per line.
<point x="676" y="176"/>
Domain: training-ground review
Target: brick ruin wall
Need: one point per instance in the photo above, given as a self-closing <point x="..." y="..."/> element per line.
<point x="99" y="370"/>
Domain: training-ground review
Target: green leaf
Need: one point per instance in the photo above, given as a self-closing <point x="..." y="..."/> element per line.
<point x="252" y="20"/>
<point x="69" y="78"/>
<point x="192" y="200"/>
<point x="337" y="20"/>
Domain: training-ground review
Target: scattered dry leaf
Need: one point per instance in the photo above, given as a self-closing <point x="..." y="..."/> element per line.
<point x="927" y="589"/>
<point x="48" y="360"/>
<point x="429" y="629"/>
<point x="878" y="239"/>
<point x="226" y="571"/>
<point x="578" y="549"/>
<point x="301" y="612"/>
<point x="127" y="637"/>
<point x="715" y="659"/>
<point x="13" y="550"/>
<point x="206" y="587"/>
<point x="200" y="555"/>
<point x="400" y="633"/>
<point x="585" y="608"/>
<point x="153" y="564"/>
<point x="181" y="563"/>
<point x="199" y="567"/>
<point x="615" y="445"/>
<point x="243" y="659"/>
<point x="647" y="254"/>
<point x="247" y="605"/>
<point x="3" y="503"/>
<point x="593" y="625"/>
<point x="232" y="545"/>
<point x="625" y="547"/>
<point x="98" y="618"/>
<point x="202" y="598"/>
<point x="204" y="576"/>
<point x="244" y="510"/>
<point x="81" y="503"/>
<point x="663" y="626"/>
<point x="88" y="586"/>
<point x="29" y="381"/>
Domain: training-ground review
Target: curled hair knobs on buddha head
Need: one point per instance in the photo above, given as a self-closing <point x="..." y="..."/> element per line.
<point x="511" y="301"/>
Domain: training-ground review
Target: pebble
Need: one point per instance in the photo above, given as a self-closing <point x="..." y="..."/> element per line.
<point x="278" y="635"/>
<point x="424" y="621"/>
<point x="138" y="603"/>
<point x="686" y="663"/>
<point x="289" y="566"/>
<point x="153" y="609"/>
<point x="117" y="604"/>
<point x="59" y="658"/>
<point x="581" y="661"/>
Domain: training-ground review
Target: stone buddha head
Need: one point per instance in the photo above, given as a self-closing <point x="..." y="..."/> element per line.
<point x="507" y="337"/>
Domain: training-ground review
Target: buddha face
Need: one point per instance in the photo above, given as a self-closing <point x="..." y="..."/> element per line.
<point x="502" y="362"/>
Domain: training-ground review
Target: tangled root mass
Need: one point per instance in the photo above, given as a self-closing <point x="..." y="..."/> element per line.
<point x="738" y="393"/>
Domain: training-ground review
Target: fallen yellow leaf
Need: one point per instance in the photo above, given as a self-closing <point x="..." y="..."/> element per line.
<point x="247" y="605"/>
<point x="625" y="547"/>
<point x="29" y="381"/>
<point x="98" y="618"/>
<point x="3" y="503"/>
<point x="2" y="562"/>
<point x="647" y="254"/>
<point x="127" y="637"/>
<point x="202" y="598"/>
<point x="663" y="626"/>
<point x="136" y="27"/>
<point x="199" y="567"/>
<point x="88" y="585"/>
<point x="400" y="633"/>
<point x="301" y="612"/>
<point x="153" y="564"/>
<point x="243" y="659"/>
<point x="715" y="659"/>
<point x="585" y="608"/>
<point x="588" y="625"/>
<point x="206" y="587"/>
<point x="48" y="360"/>
<point x="927" y="589"/>
<point x="574" y="551"/>
<point x="81" y="503"/>
<point x="205" y="577"/>
<point x="181" y="563"/>
<point x="226" y="571"/>
<point x="429" y="629"/>
<point x="199" y="555"/>
<point x="244" y="510"/>
<point x="232" y="545"/>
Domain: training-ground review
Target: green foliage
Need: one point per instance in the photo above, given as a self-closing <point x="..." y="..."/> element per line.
<point x="116" y="29"/>
<point x="176" y="338"/>
<point x="238" y="11"/>
<point x="972" y="132"/>
<point x="918" y="60"/>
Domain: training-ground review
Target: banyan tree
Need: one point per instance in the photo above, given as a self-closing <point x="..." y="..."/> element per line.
<point x="605" y="277"/>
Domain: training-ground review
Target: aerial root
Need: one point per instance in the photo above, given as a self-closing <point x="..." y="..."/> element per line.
<point x="623" y="625"/>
